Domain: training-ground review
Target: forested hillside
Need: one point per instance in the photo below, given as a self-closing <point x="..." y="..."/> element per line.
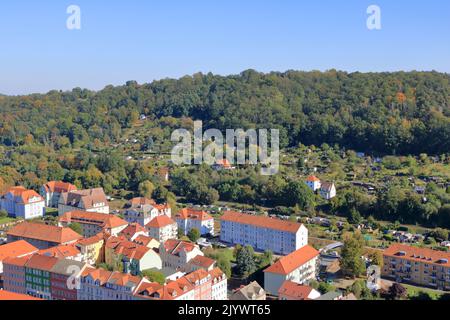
<point x="384" y="113"/>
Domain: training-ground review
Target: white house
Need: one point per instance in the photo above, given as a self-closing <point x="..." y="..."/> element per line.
<point x="188" y="219"/>
<point x="91" y="200"/>
<point x="176" y="254"/>
<point x="51" y="192"/>
<point x="328" y="190"/>
<point x="143" y="210"/>
<point x="162" y="228"/>
<point x="19" y="202"/>
<point x="294" y="291"/>
<point x="299" y="267"/>
<point x="263" y="233"/>
<point x="313" y="183"/>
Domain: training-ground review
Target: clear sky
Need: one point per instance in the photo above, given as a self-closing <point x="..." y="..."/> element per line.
<point x="145" y="40"/>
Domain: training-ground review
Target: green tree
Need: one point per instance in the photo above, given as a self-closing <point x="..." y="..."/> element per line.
<point x="3" y="213"/>
<point x="146" y="189"/>
<point x="224" y="264"/>
<point x="245" y="261"/>
<point x="154" y="276"/>
<point x="194" y="234"/>
<point x="352" y="263"/>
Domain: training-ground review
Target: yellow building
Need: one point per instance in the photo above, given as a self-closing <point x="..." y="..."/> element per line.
<point x="92" y="249"/>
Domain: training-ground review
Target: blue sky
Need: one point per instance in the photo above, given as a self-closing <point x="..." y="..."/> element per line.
<point x="145" y="40"/>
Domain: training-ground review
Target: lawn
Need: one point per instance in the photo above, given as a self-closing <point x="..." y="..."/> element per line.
<point x="415" y="292"/>
<point x="6" y="220"/>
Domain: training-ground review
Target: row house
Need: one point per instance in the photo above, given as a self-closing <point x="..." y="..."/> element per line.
<point x="420" y="266"/>
<point x="19" y="202"/>
<point x="143" y="210"/>
<point x="262" y="233"/>
<point x="94" y="223"/>
<point x="133" y="258"/>
<point x="51" y="192"/>
<point x="162" y="228"/>
<point x="188" y="219"/>
<point x="299" y="267"/>
<point x="42" y="236"/>
<point x="99" y="284"/>
<point x="198" y="285"/>
<point x="15" y="249"/>
<point x="91" y="200"/>
<point x="176" y="254"/>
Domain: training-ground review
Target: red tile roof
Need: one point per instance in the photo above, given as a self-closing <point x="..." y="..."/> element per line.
<point x="136" y="202"/>
<point x="289" y="263"/>
<point x="143" y="240"/>
<point x="59" y="187"/>
<point x="102" y="220"/>
<point x="424" y="255"/>
<point x="44" y="232"/>
<point x="129" y="249"/>
<point x="192" y="214"/>
<point x="261" y="221"/>
<point x="202" y="261"/>
<point x="23" y="195"/>
<point x="295" y="291"/>
<point x="16" y="249"/>
<point x="160" y="222"/>
<point x="313" y="179"/>
<point x="11" y="296"/>
<point x="61" y="252"/>
<point x="174" y="246"/>
<point x="41" y="262"/>
<point x="132" y="229"/>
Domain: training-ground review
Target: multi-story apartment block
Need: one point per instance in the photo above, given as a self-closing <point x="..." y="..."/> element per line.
<point x="42" y="236"/>
<point x="92" y="249"/>
<point x="143" y="210"/>
<point x="176" y="254"/>
<point x="162" y="228"/>
<point x="188" y="219"/>
<point x="19" y="202"/>
<point x="299" y="267"/>
<point x="14" y="274"/>
<point x="16" y="249"/>
<point x="421" y="266"/>
<point x="263" y="233"/>
<point x="198" y="285"/>
<point x="99" y="284"/>
<point x="94" y="223"/>
<point x="91" y="200"/>
<point x="51" y="192"/>
<point x="65" y="279"/>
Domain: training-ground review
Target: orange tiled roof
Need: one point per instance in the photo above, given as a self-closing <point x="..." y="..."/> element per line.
<point x="12" y="296"/>
<point x="143" y="240"/>
<point x="23" y="194"/>
<point x="261" y="221"/>
<point x="295" y="291"/>
<point x="61" y="252"/>
<point x="292" y="261"/>
<point x="132" y="229"/>
<point x="59" y="186"/>
<point x="174" y="246"/>
<point x="141" y="201"/>
<point x="90" y="241"/>
<point x="202" y="261"/>
<point x="160" y="222"/>
<point x="313" y="179"/>
<point x="425" y="255"/>
<point x="100" y="219"/>
<point x="224" y="163"/>
<point x="192" y="214"/>
<point x="129" y="249"/>
<point x="44" y="232"/>
<point x="18" y="262"/>
<point x="16" y="249"/>
<point x="41" y="262"/>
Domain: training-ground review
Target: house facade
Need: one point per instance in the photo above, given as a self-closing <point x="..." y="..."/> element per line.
<point x="313" y="183"/>
<point x="91" y="200"/>
<point x="263" y="233"/>
<point x="143" y="210"/>
<point x="188" y="219"/>
<point x="51" y="192"/>
<point x="176" y="254"/>
<point x="293" y="291"/>
<point x="19" y="202"/>
<point x="420" y="266"/>
<point x="299" y="267"/>
<point x="162" y="228"/>
<point x="328" y="190"/>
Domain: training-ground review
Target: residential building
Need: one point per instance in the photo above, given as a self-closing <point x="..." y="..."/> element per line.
<point x="293" y="291"/>
<point x="133" y="257"/>
<point x="92" y="249"/>
<point x="37" y="276"/>
<point x="188" y="219"/>
<point x="22" y="203"/>
<point x="11" y="296"/>
<point x="222" y="165"/>
<point x="16" y="249"/>
<point x="176" y="254"/>
<point x="91" y="200"/>
<point x="94" y="223"/>
<point x="162" y="228"/>
<point x="65" y="279"/>
<point x="99" y="284"/>
<point x="69" y="252"/>
<point x="263" y="233"/>
<point x="143" y="210"/>
<point x="42" y="236"/>
<point x="133" y="230"/>
<point x="328" y="190"/>
<point x="313" y="183"/>
<point x="149" y="242"/>
<point x="420" y="266"/>
<point x="198" y="285"/>
<point x="250" y="292"/>
<point x="51" y="192"/>
<point x="200" y="262"/>
<point x="299" y="267"/>
<point x="14" y="274"/>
